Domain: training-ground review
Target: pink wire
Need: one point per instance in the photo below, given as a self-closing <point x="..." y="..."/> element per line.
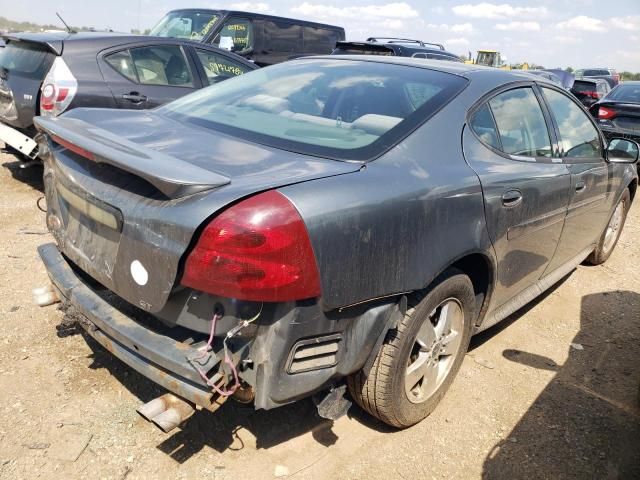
<point x="227" y="360"/>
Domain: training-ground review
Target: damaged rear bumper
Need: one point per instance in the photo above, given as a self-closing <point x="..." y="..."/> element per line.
<point x="160" y="358"/>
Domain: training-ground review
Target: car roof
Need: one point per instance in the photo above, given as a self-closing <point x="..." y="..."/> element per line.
<point x="252" y="14"/>
<point x="60" y="42"/>
<point x="456" y="68"/>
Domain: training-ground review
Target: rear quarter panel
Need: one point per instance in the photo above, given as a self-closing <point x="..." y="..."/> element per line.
<point x="401" y="220"/>
<point x="82" y="60"/>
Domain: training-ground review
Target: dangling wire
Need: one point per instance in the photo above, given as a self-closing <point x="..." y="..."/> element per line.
<point x="227" y="358"/>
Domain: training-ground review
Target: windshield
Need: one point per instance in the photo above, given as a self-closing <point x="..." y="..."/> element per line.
<point x="626" y="93"/>
<point x="190" y="25"/>
<point x="26" y="59"/>
<point x="341" y="109"/>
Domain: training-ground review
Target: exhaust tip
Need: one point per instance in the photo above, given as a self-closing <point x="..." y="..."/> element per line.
<point x="45" y="296"/>
<point x="166" y="412"/>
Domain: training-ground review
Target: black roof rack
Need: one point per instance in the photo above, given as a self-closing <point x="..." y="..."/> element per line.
<point x="404" y="40"/>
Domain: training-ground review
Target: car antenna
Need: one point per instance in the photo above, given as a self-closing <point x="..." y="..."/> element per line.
<point x="69" y="29"/>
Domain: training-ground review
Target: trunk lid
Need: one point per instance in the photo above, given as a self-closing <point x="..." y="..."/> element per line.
<point x="627" y="115"/>
<point x="23" y="67"/>
<point x="127" y="216"/>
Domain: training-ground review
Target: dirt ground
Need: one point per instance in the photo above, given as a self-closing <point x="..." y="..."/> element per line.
<point x="550" y="393"/>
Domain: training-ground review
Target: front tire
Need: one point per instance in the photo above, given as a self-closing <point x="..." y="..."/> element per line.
<point x="609" y="239"/>
<point x="421" y="355"/>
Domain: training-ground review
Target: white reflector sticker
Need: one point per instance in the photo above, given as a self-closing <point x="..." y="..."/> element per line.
<point x="139" y="273"/>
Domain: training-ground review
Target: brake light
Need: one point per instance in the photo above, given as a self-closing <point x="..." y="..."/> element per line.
<point x="258" y="250"/>
<point x="73" y="147"/>
<point x="606" y="113"/>
<point x="591" y="93"/>
<point x="58" y="89"/>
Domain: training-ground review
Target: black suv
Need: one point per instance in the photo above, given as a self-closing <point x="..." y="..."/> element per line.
<point x="263" y="39"/>
<point x="49" y="73"/>
<point x="399" y="47"/>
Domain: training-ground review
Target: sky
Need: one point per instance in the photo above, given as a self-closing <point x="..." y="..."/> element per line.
<point x="552" y="33"/>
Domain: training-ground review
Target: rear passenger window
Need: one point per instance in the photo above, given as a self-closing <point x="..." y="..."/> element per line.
<point x="483" y="126"/>
<point x="283" y="37"/>
<point x="578" y="137"/>
<point x="218" y="67"/>
<point x="123" y="64"/>
<point x="236" y="35"/>
<point x="161" y="65"/>
<point x="520" y="123"/>
<point x="318" y="40"/>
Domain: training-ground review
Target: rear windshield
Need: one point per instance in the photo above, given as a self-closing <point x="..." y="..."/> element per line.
<point x="26" y="59"/>
<point x="625" y="93"/>
<point x="592" y="72"/>
<point x="190" y="25"/>
<point x="341" y="109"/>
<point x="582" y="86"/>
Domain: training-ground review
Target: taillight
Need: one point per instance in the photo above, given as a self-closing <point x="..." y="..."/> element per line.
<point x="258" y="250"/>
<point x="58" y="89"/>
<point x="73" y="147"/>
<point x="606" y="113"/>
<point x="592" y="94"/>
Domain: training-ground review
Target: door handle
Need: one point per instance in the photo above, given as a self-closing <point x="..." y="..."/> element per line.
<point x="134" y="97"/>
<point x="580" y="187"/>
<point x="512" y="198"/>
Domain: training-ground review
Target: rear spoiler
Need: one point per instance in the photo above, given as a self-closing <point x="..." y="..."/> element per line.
<point x="173" y="177"/>
<point x="54" y="46"/>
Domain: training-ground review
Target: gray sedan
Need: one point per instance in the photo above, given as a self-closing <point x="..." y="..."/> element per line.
<point x="322" y="224"/>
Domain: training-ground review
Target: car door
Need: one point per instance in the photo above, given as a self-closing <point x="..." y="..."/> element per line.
<point x="582" y="151"/>
<point x="214" y="66"/>
<point x="512" y="149"/>
<point x="146" y="76"/>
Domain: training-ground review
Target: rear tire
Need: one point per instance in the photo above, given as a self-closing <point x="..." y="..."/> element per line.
<point x="609" y="239"/>
<point x="421" y="355"/>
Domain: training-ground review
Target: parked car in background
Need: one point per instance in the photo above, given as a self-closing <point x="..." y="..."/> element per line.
<point x="325" y="220"/>
<point x="618" y="113"/>
<point x="609" y="74"/>
<point x="49" y="73"/>
<point x="263" y="39"/>
<point x="400" y="47"/>
<point x="589" y="91"/>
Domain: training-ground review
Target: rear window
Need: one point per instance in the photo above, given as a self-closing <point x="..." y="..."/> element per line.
<point x="318" y="40"/>
<point x="592" y="72"/>
<point x="625" y="93"/>
<point x="190" y="25"/>
<point x="27" y="59"/>
<point x="346" y="110"/>
<point x="583" y="87"/>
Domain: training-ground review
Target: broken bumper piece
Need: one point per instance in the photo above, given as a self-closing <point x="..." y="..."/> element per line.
<point x="160" y="358"/>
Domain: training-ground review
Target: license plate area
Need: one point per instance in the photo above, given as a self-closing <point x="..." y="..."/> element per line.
<point x="91" y="230"/>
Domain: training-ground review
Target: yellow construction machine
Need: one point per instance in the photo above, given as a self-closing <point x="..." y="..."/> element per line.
<point x="492" y="58"/>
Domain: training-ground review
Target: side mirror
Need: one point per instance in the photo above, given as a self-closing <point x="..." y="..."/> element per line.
<point x="622" y="151"/>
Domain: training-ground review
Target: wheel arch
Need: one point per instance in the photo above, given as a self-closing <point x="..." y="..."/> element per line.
<point x="633" y="187"/>
<point x="480" y="269"/>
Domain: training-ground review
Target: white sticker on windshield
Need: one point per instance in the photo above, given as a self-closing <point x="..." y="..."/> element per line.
<point x="226" y="43"/>
<point x="139" y="273"/>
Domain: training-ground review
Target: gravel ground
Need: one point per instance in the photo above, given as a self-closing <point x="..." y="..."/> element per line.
<point x="551" y="392"/>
